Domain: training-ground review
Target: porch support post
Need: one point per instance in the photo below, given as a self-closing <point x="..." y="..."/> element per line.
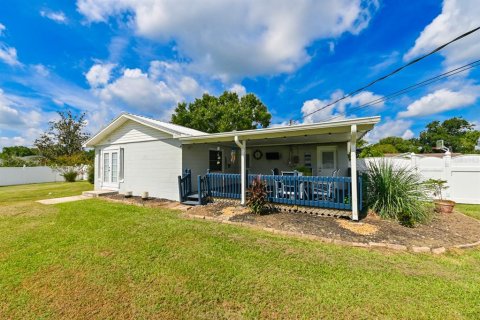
<point x="353" y="169"/>
<point x="243" y="168"/>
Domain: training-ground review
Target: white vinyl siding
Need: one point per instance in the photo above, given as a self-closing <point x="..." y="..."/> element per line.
<point x="132" y="131"/>
<point x="153" y="167"/>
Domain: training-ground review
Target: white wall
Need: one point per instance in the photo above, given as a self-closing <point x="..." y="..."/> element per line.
<point x="25" y="175"/>
<point x="152" y="161"/>
<point x="462" y="173"/>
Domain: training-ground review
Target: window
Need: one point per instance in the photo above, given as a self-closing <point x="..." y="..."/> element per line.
<point x="114" y="166"/>
<point x="106" y="167"/>
<point x="215" y="160"/>
<point x="122" y="170"/>
<point x="99" y="165"/>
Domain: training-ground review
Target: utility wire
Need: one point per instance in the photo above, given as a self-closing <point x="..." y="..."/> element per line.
<point x="394" y="71"/>
<point x="424" y="83"/>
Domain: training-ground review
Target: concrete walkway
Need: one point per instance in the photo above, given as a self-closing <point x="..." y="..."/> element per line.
<point x="62" y="200"/>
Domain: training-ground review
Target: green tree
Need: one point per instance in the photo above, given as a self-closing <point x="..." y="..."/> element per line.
<point x="377" y="150"/>
<point x="64" y="137"/>
<point x="226" y="113"/>
<point x="457" y="134"/>
<point x="400" y="144"/>
<point x="18" y="151"/>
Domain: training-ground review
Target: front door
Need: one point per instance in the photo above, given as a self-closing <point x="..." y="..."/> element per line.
<point x="110" y="169"/>
<point x="326" y="160"/>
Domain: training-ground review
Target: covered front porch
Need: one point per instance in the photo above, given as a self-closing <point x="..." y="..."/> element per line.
<point x="303" y="165"/>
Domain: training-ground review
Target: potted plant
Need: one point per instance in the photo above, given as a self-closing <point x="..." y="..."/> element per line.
<point x="441" y="205"/>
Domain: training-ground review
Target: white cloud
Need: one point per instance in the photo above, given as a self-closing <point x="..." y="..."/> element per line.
<point x="155" y="92"/>
<point x="232" y="39"/>
<point x="9" y="55"/>
<point x="439" y="101"/>
<point x="238" y="89"/>
<point x="2" y="29"/>
<point x="99" y="74"/>
<point x="57" y="16"/>
<point x="337" y="110"/>
<point x="457" y="17"/>
<point x="389" y="128"/>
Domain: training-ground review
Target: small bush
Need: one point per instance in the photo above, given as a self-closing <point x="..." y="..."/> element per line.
<point x="397" y="193"/>
<point x="91" y="174"/>
<point x="257" y="196"/>
<point x="70" y="176"/>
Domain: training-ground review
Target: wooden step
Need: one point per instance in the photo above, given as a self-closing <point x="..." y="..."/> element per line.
<point x="193" y="196"/>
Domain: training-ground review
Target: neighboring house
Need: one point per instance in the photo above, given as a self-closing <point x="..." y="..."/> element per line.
<point x="139" y="154"/>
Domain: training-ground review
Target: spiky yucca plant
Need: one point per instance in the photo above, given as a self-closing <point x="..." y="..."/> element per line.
<point x="397" y="193"/>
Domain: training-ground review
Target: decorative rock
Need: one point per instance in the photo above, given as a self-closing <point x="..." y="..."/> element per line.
<point x="438" y="250"/>
<point x="377" y="244"/>
<point x="395" y="246"/>
<point x="420" y="249"/>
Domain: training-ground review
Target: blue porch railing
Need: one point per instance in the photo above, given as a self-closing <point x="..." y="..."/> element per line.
<point x="315" y="191"/>
<point x="185" y="184"/>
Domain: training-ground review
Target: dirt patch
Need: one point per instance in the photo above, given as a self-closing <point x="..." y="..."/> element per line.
<point x="362" y="228"/>
<point x="445" y="230"/>
<point x="150" y="202"/>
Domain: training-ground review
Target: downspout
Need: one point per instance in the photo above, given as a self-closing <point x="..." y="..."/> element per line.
<point x="243" y="167"/>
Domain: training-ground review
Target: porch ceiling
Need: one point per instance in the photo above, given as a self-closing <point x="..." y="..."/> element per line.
<point x="325" y="132"/>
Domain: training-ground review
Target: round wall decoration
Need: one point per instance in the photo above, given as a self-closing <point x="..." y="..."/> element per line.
<point x="257" y="154"/>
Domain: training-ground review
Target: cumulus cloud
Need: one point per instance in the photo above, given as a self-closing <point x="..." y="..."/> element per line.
<point x="389" y="128"/>
<point x="156" y="91"/>
<point x="231" y="39"/>
<point x="2" y="29"/>
<point x="439" y="101"/>
<point x="99" y="74"/>
<point x="57" y="16"/>
<point x="238" y="89"/>
<point x="9" y="55"/>
<point x="457" y="17"/>
<point x="337" y="110"/>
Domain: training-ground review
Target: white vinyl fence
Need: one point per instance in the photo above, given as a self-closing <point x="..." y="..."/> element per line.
<point x="462" y="173"/>
<point x="25" y="175"/>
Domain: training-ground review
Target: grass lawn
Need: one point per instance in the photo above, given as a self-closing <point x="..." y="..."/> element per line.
<point x="95" y="259"/>
<point x="472" y="210"/>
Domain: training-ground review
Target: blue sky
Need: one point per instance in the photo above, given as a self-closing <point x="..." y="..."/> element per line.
<point x="104" y="57"/>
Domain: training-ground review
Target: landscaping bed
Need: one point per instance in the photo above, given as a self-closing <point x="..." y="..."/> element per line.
<point x="444" y="230"/>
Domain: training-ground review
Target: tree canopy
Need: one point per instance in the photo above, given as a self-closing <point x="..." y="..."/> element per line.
<point x="18" y="151"/>
<point x="64" y="137"/>
<point x="227" y="112"/>
<point x="457" y="133"/>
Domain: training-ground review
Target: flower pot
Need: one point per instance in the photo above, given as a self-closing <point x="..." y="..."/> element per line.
<point x="444" y="206"/>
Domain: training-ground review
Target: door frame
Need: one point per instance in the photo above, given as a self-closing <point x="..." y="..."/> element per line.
<point x="320" y="149"/>
<point x="109" y="184"/>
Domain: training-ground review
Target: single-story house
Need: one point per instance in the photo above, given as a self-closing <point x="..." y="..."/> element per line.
<point x="304" y="165"/>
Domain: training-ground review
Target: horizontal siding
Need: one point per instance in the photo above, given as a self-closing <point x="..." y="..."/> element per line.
<point x="150" y="166"/>
<point x="132" y="131"/>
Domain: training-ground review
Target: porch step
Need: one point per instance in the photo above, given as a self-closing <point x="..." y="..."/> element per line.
<point x="190" y="203"/>
<point x="193" y="196"/>
<point x="98" y="193"/>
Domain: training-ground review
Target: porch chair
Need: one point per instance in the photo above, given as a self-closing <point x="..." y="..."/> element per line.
<point x="325" y="190"/>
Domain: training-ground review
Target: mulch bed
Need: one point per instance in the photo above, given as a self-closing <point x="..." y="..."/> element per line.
<point x="445" y="230"/>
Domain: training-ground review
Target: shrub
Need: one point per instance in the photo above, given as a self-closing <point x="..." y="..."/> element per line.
<point x="397" y="193"/>
<point x="91" y="174"/>
<point x="257" y="196"/>
<point x="70" y="176"/>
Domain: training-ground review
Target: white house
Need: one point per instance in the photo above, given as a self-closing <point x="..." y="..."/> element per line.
<point x="138" y="154"/>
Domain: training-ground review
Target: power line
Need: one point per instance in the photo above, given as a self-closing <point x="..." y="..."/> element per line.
<point x="424" y="83"/>
<point x="393" y="72"/>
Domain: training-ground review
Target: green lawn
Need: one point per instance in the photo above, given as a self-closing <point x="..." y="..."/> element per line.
<point x="472" y="210"/>
<point x="94" y="259"/>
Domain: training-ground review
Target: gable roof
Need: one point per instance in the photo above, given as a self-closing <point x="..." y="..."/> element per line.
<point x="176" y="131"/>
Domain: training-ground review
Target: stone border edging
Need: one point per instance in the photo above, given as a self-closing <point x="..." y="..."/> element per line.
<point x="372" y="245"/>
